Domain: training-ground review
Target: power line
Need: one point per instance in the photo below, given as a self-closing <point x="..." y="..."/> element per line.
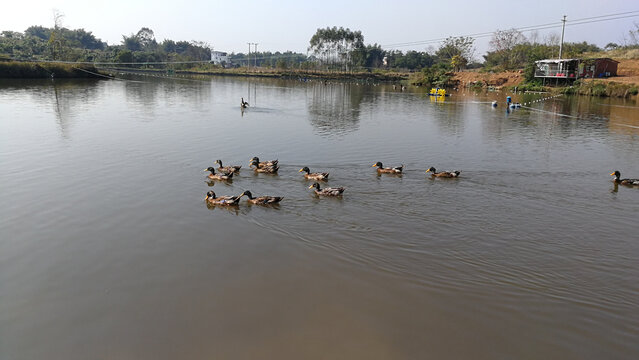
<point x="608" y="17"/>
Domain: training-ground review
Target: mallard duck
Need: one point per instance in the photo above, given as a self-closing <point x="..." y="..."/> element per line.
<point x="313" y="176"/>
<point x="327" y="191"/>
<point x="222" y="200"/>
<point x="618" y="179"/>
<point x="221" y="176"/>
<point x="382" y="170"/>
<point x="261" y="200"/>
<point x="445" y="174"/>
<point x="225" y="169"/>
<point x="269" y="169"/>
<point x="265" y="163"/>
<point x="244" y="104"/>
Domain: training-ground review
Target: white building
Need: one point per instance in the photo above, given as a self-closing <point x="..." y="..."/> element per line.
<point x="219" y="58"/>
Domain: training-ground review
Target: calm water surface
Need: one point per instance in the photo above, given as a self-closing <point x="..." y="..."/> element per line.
<point x="108" y="251"/>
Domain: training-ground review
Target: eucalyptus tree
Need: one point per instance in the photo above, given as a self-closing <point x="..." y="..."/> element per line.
<point x="335" y="45"/>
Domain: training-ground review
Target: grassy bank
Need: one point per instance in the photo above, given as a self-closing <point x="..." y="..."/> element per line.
<point x="37" y="70"/>
<point x="377" y="76"/>
<point x="601" y="88"/>
<point x="587" y="88"/>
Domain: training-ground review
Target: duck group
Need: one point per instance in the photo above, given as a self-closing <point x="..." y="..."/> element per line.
<point x="226" y="173"/>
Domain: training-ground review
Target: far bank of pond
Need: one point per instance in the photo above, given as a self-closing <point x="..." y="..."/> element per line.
<point x="43" y="70"/>
<point x="29" y="70"/>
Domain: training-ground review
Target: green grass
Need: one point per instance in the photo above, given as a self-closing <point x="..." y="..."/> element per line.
<point x="35" y="70"/>
<point x="606" y="89"/>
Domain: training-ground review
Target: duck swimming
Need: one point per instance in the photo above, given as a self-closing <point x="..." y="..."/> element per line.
<point x="618" y="180"/>
<point x="268" y="169"/>
<point x="221" y="176"/>
<point x="244" y="104"/>
<point x="444" y="174"/>
<point x="337" y="191"/>
<point x="262" y="200"/>
<point x="225" y="169"/>
<point x="391" y="170"/>
<point x="264" y="163"/>
<point x="222" y="200"/>
<point x="313" y="176"/>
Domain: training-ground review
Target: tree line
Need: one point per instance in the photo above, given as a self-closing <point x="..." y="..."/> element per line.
<point x="58" y="43"/>
<point x="330" y="48"/>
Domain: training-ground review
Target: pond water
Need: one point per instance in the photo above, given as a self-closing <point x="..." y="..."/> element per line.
<point x="108" y="250"/>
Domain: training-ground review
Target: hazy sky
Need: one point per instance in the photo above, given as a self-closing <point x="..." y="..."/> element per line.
<point x="289" y="25"/>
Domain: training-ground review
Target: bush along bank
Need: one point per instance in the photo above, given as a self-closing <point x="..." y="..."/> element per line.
<point x="41" y="70"/>
<point x="602" y="89"/>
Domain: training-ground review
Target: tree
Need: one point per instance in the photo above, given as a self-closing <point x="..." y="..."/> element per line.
<point x="458" y="62"/>
<point x="146" y="37"/>
<point x="125" y="56"/>
<point x="611" y="46"/>
<point x="131" y="43"/>
<point x="335" y="45"/>
<point x="503" y="44"/>
<point x="552" y="39"/>
<point x="38" y="31"/>
<point x="56" y="41"/>
<point x="634" y="35"/>
<point x="144" y="40"/>
<point x="462" y="46"/>
<point x="504" y="40"/>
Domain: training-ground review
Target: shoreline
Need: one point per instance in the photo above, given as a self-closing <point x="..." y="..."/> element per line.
<point x="46" y="70"/>
<point x="467" y="79"/>
<point x="279" y="73"/>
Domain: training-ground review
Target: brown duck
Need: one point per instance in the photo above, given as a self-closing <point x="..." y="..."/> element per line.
<point x="262" y="200"/>
<point x="444" y="174"/>
<point x="268" y="169"/>
<point x="221" y="176"/>
<point x="313" y="176"/>
<point x="390" y="170"/>
<point x="222" y="200"/>
<point x="330" y="191"/>
<point x="265" y="163"/>
<point x="224" y="169"/>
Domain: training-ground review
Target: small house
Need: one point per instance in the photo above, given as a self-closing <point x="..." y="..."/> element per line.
<point x="598" y="68"/>
<point x="219" y="58"/>
<point x="572" y="69"/>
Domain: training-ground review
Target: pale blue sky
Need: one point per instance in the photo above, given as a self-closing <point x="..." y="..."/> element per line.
<point x="288" y="25"/>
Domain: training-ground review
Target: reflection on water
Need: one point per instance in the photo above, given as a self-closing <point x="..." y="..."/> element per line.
<point x="334" y="109"/>
<point x="105" y="235"/>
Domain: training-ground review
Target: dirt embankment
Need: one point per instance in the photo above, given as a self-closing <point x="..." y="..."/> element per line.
<point x="475" y="78"/>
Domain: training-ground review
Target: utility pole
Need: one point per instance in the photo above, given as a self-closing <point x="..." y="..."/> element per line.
<point x="248" y="57"/>
<point x="255" y="53"/>
<point x="561" y="44"/>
